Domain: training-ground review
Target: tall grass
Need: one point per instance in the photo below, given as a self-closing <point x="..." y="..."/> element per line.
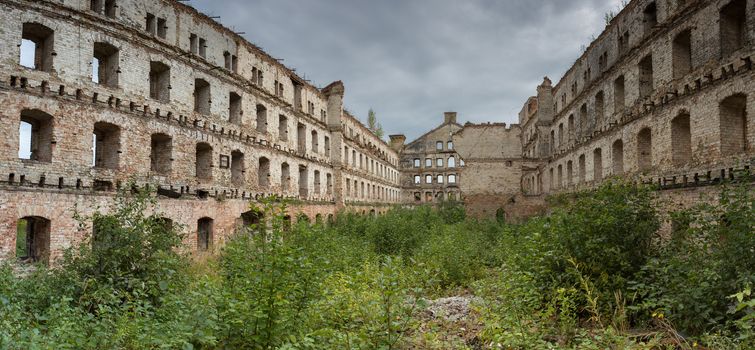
<point x="595" y="273"/>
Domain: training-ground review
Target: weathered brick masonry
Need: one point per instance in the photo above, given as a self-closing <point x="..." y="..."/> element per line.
<point x="156" y="92"/>
<point x="665" y="95"/>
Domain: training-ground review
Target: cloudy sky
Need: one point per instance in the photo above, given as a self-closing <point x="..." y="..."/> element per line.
<point x="411" y="60"/>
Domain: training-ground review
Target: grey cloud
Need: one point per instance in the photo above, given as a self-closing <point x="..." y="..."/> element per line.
<point x="411" y="60"/>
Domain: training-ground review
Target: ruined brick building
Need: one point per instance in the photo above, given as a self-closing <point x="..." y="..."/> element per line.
<point x="154" y="91"/>
<point x="430" y="167"/>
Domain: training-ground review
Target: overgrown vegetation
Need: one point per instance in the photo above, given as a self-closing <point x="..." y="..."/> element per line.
<point x="604" y="270"/>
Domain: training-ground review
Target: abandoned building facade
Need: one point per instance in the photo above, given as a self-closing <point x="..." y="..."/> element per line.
<point x="665" y="94"/>
<point x="98" y="93"/>
<point x="430" y="167"/>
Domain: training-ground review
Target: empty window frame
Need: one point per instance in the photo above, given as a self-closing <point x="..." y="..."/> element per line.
<point x="202" y="47"/>
<point x="235" y="111"/>
<point x="202" y="96"/>
<point x="416" y="163"/>
<point x="150" y="24"/>
<point x="570" y="127"/>
<point x="582" y="168"/>
<point x="650" y="17"/>
<point x="161" y="153"/>
<point x="417" y="179"/>
<point x="681" y="139"/>
<point x="35" y="136"/>
<point x="106" y="7"/>
<point x="204" y="234"/>
<point x="617" y="156"/>
<point x="733" y="26"/>
<point x="193" y="43"/>
<point x="263" y="173"/>
<point x="315" y="141"/>
<point x="261" y="112"/>
<point x="600" y="102"/>
<point x="452" y="179"/>
<point x="327" y="146"/>
<point x="644" y="149"/>
<point x="285" y="176"/>
<point x="304" y="181"/>
<point x="238" y="170"/>
<point x="682" y="54"/>
<point x="301" y="139"/>
<point x="450" y="145"/>
<point x="106" y="139"/>
<point x="733" y="124"/>
<point x="33" y="239"/>
<point x="317" y="182"/>
<point x="428" y="179"/>
<point x="159" y="81"/>
<point x="439" y="162"/>
<point x="37" y="42"/>
<point x="428" y="163"/>
<point x="451" y="162"/>
<point x="584" y="122"/>
<point x="439" y="145"/>
<point x="203" y="162"/>
<point x="162" y="28"/>
<point x="283" y="129"/>
<point x="105" y="65"/>
<point x="597" y="164"/>
<point x="439" y="179"/>
<point x="618" y="94"/>
<point x="645" y="83"/>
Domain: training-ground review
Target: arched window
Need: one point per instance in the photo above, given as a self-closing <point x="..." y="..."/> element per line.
<point x="451" y="162"/>
<point x="733" y="26"/>
<point x="733" y="124"/>
<point x="681" y="139"/>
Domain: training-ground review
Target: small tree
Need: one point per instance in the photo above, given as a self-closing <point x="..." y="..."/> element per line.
<point x="373" y="124"/>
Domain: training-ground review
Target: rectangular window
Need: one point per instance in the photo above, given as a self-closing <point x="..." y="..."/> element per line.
<point x="416" y="163"/>
<point x="428" y="163"/>
<point x="439" y="145"/>
<point x="417" y="180"/>
<point x="439" y="162"/>
<point x="194" y="43"/>
<point x="440" y="179"/>
<point x="202" y="47"/>
<point x="151" y="24"/>
<point x="452" y="179"/>
<point x="428" y="179"/>
<point x="162" y="28"/>
<point x="450" y="145"/>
